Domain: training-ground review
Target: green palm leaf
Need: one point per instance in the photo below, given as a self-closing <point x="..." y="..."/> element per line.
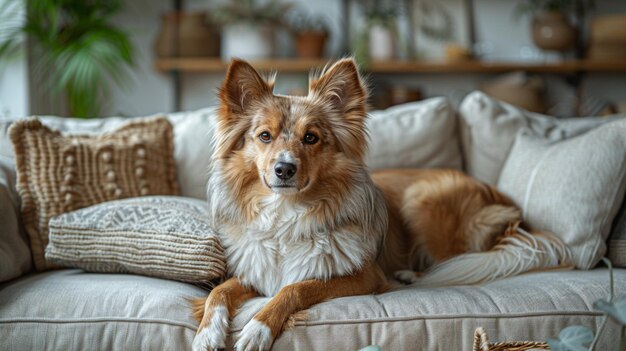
<point x="81" y="52"/>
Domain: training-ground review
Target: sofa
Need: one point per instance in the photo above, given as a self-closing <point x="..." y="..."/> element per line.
<point x="70" y="309"/>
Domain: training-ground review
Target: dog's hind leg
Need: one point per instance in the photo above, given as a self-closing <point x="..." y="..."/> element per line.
<point x="216" y="311"/>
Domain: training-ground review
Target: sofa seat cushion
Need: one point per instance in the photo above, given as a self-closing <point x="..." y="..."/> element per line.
<point x="72" y="310"/>
<point x="533" y="306"/>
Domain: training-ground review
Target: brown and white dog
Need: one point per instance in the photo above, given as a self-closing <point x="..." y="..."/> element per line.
<point x="302" y="220"/>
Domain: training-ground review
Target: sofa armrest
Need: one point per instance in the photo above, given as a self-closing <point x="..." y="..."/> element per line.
<point x="15" y="256"/>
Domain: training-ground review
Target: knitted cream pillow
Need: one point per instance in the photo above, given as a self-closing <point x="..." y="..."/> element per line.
<point x="60" y="173"/>
<point x="161" y="236"/>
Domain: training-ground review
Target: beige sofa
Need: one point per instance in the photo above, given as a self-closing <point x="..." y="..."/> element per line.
<point x="70" y="309"/>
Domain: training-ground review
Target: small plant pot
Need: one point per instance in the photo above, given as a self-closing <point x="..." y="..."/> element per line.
<point x="381" y="43"/>
<point x="553" y="31"/>
<point x="310" y="44"/>
<point x="248" y="41"/>
<point x="186" y="34"/>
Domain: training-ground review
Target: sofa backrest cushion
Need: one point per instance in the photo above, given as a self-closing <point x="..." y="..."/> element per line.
<point x="420" y="134"/>
<point x="572" y="188"/>
<point x="488" y="128"/>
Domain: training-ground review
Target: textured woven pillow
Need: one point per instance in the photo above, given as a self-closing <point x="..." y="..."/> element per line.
<point x="572" y="188"/>
<point x="161" y="236"/>
<point x="60" y="173"/>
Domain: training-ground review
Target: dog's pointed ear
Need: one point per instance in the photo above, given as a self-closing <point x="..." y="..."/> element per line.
<point x="341" y="87"/>
<point x="243" y="86"/>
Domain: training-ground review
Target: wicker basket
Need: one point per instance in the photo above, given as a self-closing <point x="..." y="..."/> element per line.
<point x="481" y="343"/>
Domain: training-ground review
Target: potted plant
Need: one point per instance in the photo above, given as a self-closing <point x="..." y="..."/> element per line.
<point x="77" y="50"/>
<point x="552" y="28"/>
<point x="248" y="27"/>
<point x="310" y="34"/>
<point x="381" y="23"/>
<point x="377" y="41"/>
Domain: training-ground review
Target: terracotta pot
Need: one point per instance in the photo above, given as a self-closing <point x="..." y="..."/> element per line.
<point x="187" y="34"/>
<point x="310" y="44"/>
<point x="553" y="31"/>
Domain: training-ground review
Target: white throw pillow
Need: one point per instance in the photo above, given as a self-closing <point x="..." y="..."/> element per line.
<point x="488" y="128"/>
<point x="572" y="188"/>
<point x="415" y="135"/>
<point x="193" y="140"/>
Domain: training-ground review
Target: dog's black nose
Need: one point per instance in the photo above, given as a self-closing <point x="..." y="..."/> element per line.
<point x="285" y="170"/>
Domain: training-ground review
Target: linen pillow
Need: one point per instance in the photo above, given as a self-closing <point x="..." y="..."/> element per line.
<point x="161" y="236"/>
<point x="572" y="188"/>
<point x="488" y="128"/>
<point x="60" y="173"/>
<point x="419" y="135"/>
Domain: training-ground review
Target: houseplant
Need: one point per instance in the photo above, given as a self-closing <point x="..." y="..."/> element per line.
<point x="381" y="29"/>
<point x="552" y="28"/>
<point x="78" y="52"/>
<point x="310" y="34"/>
<point x="248" y="27"/>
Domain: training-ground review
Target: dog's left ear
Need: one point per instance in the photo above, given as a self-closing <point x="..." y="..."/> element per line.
<point x="341" y="89"/>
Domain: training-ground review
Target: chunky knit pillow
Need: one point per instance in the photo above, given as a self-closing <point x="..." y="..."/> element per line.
<point x="60" y="173"/>
<point x="161" y="236"/>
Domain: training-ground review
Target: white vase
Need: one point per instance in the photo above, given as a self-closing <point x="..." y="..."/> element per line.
<point x="247" y="41"/>
<point x="381" y="43"/>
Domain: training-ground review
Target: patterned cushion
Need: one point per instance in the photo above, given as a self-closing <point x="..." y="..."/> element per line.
<point x="572" y="188"/>
<point x="60" y="173"/>
<point x="161" y="236"/>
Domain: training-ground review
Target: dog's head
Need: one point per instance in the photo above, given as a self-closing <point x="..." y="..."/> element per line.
<point x="288" y="144"/>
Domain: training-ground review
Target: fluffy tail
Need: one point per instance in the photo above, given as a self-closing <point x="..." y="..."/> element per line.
<point x="514" y="254"/>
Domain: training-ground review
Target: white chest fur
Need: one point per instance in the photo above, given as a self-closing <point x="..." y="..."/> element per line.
<point x="285" y="245"/>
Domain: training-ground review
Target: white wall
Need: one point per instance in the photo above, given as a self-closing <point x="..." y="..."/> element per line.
<point x="13" y="71"/>
<point x="14" y="87"/>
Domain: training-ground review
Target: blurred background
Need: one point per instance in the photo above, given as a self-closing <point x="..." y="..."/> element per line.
<point x="128" y="58"/>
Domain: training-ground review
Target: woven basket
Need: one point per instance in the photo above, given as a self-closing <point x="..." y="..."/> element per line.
<point x="481" y="343"/>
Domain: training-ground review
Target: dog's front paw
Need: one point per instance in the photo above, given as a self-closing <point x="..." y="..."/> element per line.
<point x="406" y="276"/>
<point x="213" y="336"/>
<point x="255" y="336"/>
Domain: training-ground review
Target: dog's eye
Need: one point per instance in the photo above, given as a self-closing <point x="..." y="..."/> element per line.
<point x="310" y="138"/>
<point x="265" y="137"/>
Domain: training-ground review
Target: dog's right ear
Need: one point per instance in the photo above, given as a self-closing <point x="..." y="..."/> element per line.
<point x="242" y="87"/>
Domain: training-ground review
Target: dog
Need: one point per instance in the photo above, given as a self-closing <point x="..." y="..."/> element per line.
<point x="303" y="221"/>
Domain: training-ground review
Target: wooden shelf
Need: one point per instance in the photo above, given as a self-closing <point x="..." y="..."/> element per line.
<point x="397" y="66"/>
